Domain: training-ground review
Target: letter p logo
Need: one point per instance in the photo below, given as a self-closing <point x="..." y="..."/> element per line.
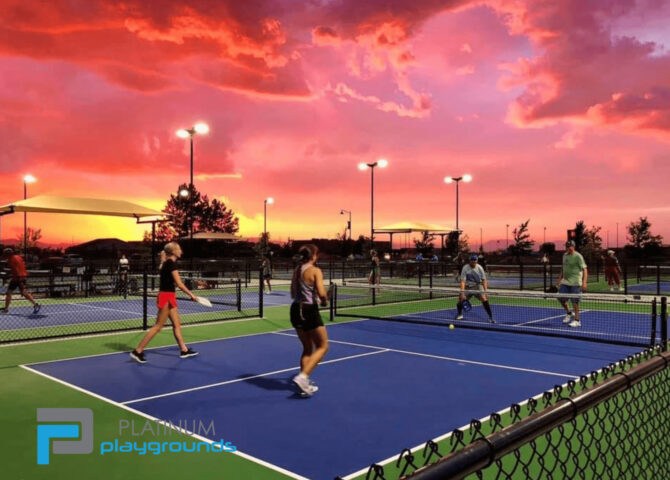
<point x="82" y="419"/>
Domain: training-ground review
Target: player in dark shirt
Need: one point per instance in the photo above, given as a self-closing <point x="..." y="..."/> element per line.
<point x="167" y="303"/>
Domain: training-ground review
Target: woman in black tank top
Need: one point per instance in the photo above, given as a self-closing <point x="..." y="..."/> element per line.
<point x="166" y="301"/>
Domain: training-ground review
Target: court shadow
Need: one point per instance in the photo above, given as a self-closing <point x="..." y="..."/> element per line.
<point x="267" y="383"/>
<point x="119" y="347"/>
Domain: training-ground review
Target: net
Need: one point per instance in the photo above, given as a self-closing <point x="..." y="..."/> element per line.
<point x="618" y="319"/>
<point x="219" y="291"/>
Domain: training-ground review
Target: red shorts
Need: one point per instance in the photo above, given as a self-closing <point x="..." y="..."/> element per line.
<point x="166" y="298"/>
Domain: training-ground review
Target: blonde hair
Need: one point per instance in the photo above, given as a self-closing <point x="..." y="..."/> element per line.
<point x="170" y="248"/>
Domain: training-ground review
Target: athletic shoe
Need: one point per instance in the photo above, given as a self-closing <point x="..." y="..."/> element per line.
<point x="459" y="317"/>
<point x="4" y="310"/>
<point x="303" y="384"/>
<point x="188" y="353"/>
<point x="569" y="318"/>
<point x="138" y="357"/>
<point x="611" y="289"/>
<point x="313" y="389"/>
<point x="574" y="324"/>
<point x="491" y="320"/>
<point x="36" y="308"/>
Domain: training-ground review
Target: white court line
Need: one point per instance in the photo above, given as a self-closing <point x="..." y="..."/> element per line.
<point x="102" y="308"/>
<point x="237" y="380"/>
<point x="442" y="437"/>
<point x="440" y="357"/>
<point x="156" y="419"/>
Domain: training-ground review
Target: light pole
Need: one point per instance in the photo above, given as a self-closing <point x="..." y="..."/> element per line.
<point x="26" y="180"/>
<point x="466" y="178"/>
<point x="201" y="129"/>
<point x="267" y="201"/>
<point x="342" y="212"/>
<point x="507" y="235"/>
<point x="382" y="163"/>
<point x="544" y="238"/>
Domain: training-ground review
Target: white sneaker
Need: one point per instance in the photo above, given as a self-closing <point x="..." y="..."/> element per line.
<point x="611" y="289"/>
<point x="574" y="324"/>
<point x="303" y="384"/>
<point x="569" y="317"/>
<point x="313" y="387"/>
<point x="459" y="317"/>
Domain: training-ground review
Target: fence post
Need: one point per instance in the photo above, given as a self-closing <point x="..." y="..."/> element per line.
<point x="260" y="293"/>
<point x="333" y="295"/>
<point x="419" y="273"/>
<point x="544" y="276"/>
<point x="658" y="279"/>
<point x="654" y="318"/>
<point x="145" y="298"/>
<point x="664" y="323"/>
<point x="238" y="292"/>
<point x="520" y="275"/>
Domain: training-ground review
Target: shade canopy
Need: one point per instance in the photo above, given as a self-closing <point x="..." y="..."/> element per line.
<point x="410" y="227"/>
<point x="213" y="236"/>
<point x="80" y="206"/>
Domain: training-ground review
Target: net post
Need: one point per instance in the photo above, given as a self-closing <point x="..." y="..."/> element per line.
<point x="658" y="279"/>
<point x="520" y="275"/>
<point x="145" y="298"/>
<point x="238" y="292"/>
<point x="654" y="318"/>
<point x="664" y="323"/>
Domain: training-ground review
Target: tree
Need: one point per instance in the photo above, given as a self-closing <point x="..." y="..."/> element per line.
<point x="360" y="244"/>
<point x="197" y="210"/>
<point x="592" y="243"/>
<point x="456" y="244"/>
<point x="641" y="238"/>
<point x="31" y="238"/>
<point x="164" y="233"/>
<point x="523" y="245"/>
<point x="549" y="248"/>
<point x="425" y="243"/>
<point x="580" y="235"/>
<point x="262" y="248"/>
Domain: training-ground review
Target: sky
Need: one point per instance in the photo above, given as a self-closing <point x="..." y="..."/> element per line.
<point x="559" y="109"/>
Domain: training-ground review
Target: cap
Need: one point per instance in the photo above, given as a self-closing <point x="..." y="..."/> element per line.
<point x="570" y="243"/>
<point x="610" y="252"/>
<point x="7" y="250"/>
<point x="474" y="257"/>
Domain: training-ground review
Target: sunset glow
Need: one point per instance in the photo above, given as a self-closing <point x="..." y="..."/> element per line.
<point x="559" y="110"/>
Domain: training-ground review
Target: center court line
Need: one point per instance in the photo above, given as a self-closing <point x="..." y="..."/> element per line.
<point x="237" y="380"/>
<point x="156" y="419"/>
<point x="439" y="357"/>
<point x="559" y="315"/>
